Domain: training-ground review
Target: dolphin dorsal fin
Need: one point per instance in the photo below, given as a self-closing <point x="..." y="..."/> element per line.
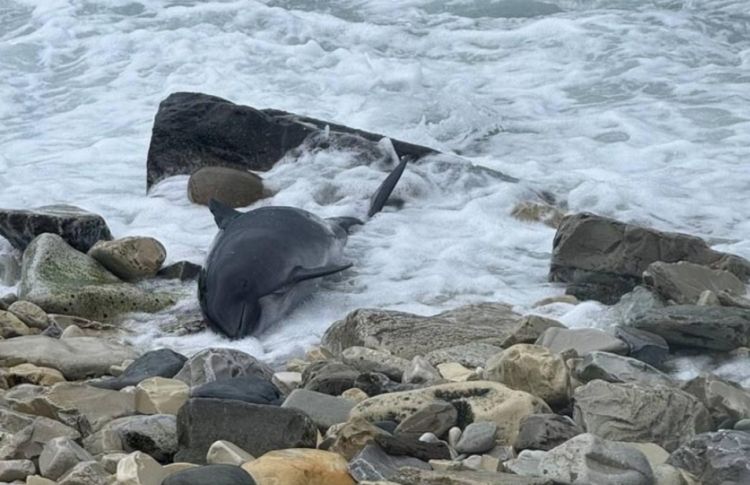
<point x="384" y="191"/>
<point x="223" y="214"/>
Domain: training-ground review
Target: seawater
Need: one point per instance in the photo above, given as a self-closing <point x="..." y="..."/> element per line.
<point x="633" y="109"/>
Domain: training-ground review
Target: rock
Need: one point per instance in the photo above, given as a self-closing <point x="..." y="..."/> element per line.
<point x="30" y="314"/>
<point x="31" y="374"/>
<point x="110" y="460"/>
<point x="348" y="439"/>
<point x="86" y="473"/>
<point x="181" y="270"/>
<point x="130" y="258"/>
<point x="454" y="434"/>
<point x="139" y="469"/>
<point x="374" y="384"/>
<point x="406" y="335"/>
<point x="655" y="454"/>
<point x="420" y="371"/>
<point x="635" y="304"/>
<point x="323" y="409"/>
<point x="708" y="298"/>
<point x="471" y="355"/>
<point x="158" y="395"/>
<point x="10" y="271"/>
<point x="372" y="463"/>
<point x="743" y="425"/>
<point x="644" y="346"/>
<point x="155" y="363"/>
<point x="716" y="458"/>
<point x="455" y="372"/>
<point x="370" y="360"/>
<point x="72" y="331"/>
<point x="194" y="130"/>
<point x="478" y="437"/>
<point x="11" y="326"/>
<point x="528" y="330"/>
<point x="551" y="300"/>
<point x="410" y="446"/>
<point x="526" y="464"/>
<point x="474" y="401"/>
<point x="669" y="475"/>
<point x="78" y="227"/>
<point x="329" y="377"/>
<point x="29" y="434"/>
<point x="666" y="416"/>
<point x="725" y="401"/>
<point x="588" y="459"/>
<point x="59" y="456"/>
<point x="300" y="467"/>
<point x="104" y="442"/>
<point x="410" y="476"/>
<point x="155" y="435"/>
<point x="254" y="428"/>
<point x="250" y="389"/>
<point x="616" y="368"/>
<point x="62" y="280"/>
<point x="604" y="258"/>
<point x="218" y="363"/>
<point x="11" y="470"/>
<point x="729" y="299"/>
<point x="683" y="282"/>
<point x="38" y="480"/>
<point x="528" y="211"/>
<point x="533" y="369"/>
<point x="704" y="327"/>
<point x="97" y="406"/>
<point x="355" y="395"/>
<point x="545" y="431"/>
<point x="213" y="474"/>
<point x="225" y="453"/>
<point x="235" y="188"/>
<point x="582" y="340"/>
<point x="436" y="417"/>
<point x="286" y="382"/>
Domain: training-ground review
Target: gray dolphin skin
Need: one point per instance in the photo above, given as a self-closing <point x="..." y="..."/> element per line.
<point x="263" y="262"/>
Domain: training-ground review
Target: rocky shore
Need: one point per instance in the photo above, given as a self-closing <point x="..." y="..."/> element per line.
<point x="476" y="395"/>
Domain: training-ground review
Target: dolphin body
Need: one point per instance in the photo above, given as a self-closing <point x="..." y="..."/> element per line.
<point x="263" y="262"/>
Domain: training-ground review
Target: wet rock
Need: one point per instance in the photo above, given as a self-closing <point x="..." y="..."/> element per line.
<point x="158" y="395"/>
<point x="30" y="314"/>
<point x="323" y="409"/>
<point x="683" y="282"/>
<point x="11" y="470"/>
<point x="155" y="435"/>
<point x="528" y="330"/>
<point x="666" y="416"/>
<point x="436" y="417"/>
<point x="412" y="447"/>
<point x="528" y="211"/>
<point x="194" y="130"/>
<point x="76" y="358"/>
<point x="474" y="401"/>
<point x="348" y="439"/>
<point x="533" y="369"/>
<point x="250" y="389"/>
<point x="743" y="425"/>
<point x="254" y="428"/>
<point x="59" y="456"/>
<point x="62" y="280"/>
<point x="588" y="459"/>
<point x="471" y="355"/>
<point x="78" y="227"/>
<point x="372" y="463"/>
<point x="617" y="368"/>
<point x="213" y="474"/>
<point x="545" y="431"/>
<point x="370" y="360"/>
<point x="31" y="374"/>
<point x="644" y="346"/>
<point x="406" y="335"/>
<point x="716" y="458"/>
<point x="215" y="364"/>
<point x="10" y="271"/>
<point x="181" y="270"/>
<point x="704" y="327"/>
<point x="11" y="326"/>
<point x="300" y="467"/>
<point x="478" y="437"/>
<point x="226" y="453"/>
<point x="155" y="363"/>
<point x="329" y="377"/>
<point x="604" y="258"/>
<point x="86" y="473"/>
<point x="419" y="371"/>
<point x="582" y="340"/>
<point x="725" y="401"/>
<point x="235" y="188"/>
<point x="130" y="258"/>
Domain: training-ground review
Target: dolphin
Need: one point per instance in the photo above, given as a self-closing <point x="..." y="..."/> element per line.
<point x="265" y="261"/>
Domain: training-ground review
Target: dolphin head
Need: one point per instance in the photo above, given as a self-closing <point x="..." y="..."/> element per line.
<point x="233" y="308"/>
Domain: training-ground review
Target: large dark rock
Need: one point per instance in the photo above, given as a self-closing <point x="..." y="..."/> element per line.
<point x="602" y="258"/>
<point x="254" y="428"/>
<point x="194" y="130"/>
<point x="644" y="346"/>
<point x="78" y="227"/>
<point x="329" y="377"/>
<point x="250" y="389"/>
<point x="720" y="458"/>
<point x="703" y="327"/>
<point x="155" y="435"/>
<point x="156" y="363"/>
<point x="213" y="474"/>
<point x="325" y="410"/>
<point x="215" y="364"/>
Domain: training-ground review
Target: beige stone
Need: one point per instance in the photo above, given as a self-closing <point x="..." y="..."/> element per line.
<point x="226" y="453"/>
<point x="300" y="467"/>
<point x="355" y="394"/>
<point x="348" y="439"/>
<point x="173" y="468"/>
<point x="11" y="326"/>
<point x="30" y="314"/>
<point x="287" y="381"/>
<point x="130" y="258"/>
<point x="72" y="331"/>
<point x="533" y="369"/>
<point x="455" y="372"/>
<point x="235" y="188"/>
<point x="139" y="469"/>
<point x="159" y="395"/>
<point x="317" y="354"/>
<point x="39" y="480"/>
<point x="98" y="406"/>
<point x="655" y="454"/>
<point x="31" y="374"/>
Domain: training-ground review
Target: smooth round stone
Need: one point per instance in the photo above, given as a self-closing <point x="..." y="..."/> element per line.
<point x="742" y="425"/>
<point x="213" y="474"/>
<point x="477" y="438"/>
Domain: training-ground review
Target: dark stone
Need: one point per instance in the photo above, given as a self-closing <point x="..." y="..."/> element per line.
<point x="194" y="130"/>
<point x="213" y="474"/>
<point x="409" y="446"/>
<point x="181" y="270"/>
<point x="375" y="384"/>
<point x="644" y="346"/>
<point x="53" y="330"/>
<point x="324" y="409"/>
<point x="387" y="426"/>
<point x="720" y="458"/>
<point x="155" y="435"/>
<point x="603" y="258"/>
<point x="704" y="327"/>
<point x="250" y="389"/>
<point x="78" y="227"/>
<point x="437" y="418"/>
<point x="373" y="464"/>
<point x="329" y="377"/>
<point x="156" y="363"/>
<point x="255" y="428"/>
<point x="545" y="431"/>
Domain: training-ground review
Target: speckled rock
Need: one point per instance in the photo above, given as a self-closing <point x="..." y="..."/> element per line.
<point x="221" y="363"/>
<point x="155" y="435"/>
<point x="11" y="326"/>
<point x="370" y="360"/>
<point x="130" y="258"/>
<point x="31" y="374"/>
<point x="86" y="473"/>
<point x="30" y="314"/>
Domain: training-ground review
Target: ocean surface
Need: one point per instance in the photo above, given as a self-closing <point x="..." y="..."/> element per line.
<point x="638" y="110"/>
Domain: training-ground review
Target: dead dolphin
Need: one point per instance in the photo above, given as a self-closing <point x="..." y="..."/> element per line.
<point x="262" y="262"/>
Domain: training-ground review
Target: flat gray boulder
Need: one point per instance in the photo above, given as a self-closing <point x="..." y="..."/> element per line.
<point x="617" y="368"/>
<point x="684" y="282"/>
<point x="582" y="340"/>
<point x="323" y="409"/>
<point x="61" y="279"/>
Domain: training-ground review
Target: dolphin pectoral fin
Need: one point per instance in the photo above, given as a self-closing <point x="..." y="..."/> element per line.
<point x="223" y="214"/>
<point x="345" y="223"/>
<point x="302" y="274"/>
<point x="384" y="191"/>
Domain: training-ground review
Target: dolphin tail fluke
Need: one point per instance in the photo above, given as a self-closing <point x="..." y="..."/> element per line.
<point x="384" y="191"/>
<point x="223" y="214"/>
